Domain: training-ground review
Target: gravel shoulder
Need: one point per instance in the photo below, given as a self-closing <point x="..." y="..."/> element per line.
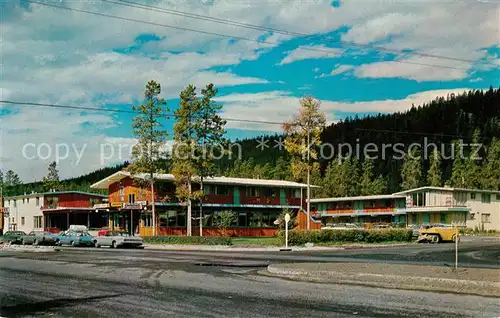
<point x="472" y="281"/>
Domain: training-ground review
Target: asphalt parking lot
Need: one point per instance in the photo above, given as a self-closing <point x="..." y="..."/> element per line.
<point x="91" y="282"/>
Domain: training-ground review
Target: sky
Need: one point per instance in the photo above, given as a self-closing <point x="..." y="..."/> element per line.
<point x="356" y="57"/>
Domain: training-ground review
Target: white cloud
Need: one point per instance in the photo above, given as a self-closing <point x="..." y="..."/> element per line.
<point x="278" y="106"/>
<point x="339" y="69"/>
<point x="311" y="52"/>
<point x="316" y="69"/>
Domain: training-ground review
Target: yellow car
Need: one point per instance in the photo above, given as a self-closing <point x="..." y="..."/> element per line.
<point x="437" y="233"/>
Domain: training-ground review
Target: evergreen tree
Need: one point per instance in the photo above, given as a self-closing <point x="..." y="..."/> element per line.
<point x="434" y="176"/>
<point x="472" y="169"/>
<point x="379" y="185"/>
<point x="185" y="144"/>
<point x="491" y="176"/>
<point x="411" y="171"/>
<point x="209" y="134"/>
<point x="51" y="181"/>
<point x="303" y="131"/>
<point x="148" y="128"/>
<point x="457" y="179"/>
<point x="12" y="179"/>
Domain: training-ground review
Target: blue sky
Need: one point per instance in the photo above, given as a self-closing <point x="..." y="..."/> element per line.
<point x="73" y="58"/>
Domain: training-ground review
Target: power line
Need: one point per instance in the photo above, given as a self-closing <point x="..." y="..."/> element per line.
<point x="222" y="35"/>
<point x="274" y="30"/>
<point x="224" y="118"/>
<point x="126" y="111"/>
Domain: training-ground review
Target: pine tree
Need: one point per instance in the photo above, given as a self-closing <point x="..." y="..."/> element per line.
<point x="51" y="181"/>
<point x="210" y="136"/>
<point x="186" y="143"/>
<point x="303" y="131"/>
<point x="457" y="179"/>
<point x="11" y="179"/>
<point x="472" y="169"/>
<point x="411" y="170"/>
<point x="434" y="176"/>
<point x="491" y="176"/>
<point x="149" y="130"/>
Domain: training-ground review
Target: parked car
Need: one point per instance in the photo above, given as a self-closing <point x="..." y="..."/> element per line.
<point x="75" y="238"/>
<point x="342" y="226"/>
<point x="382" y="226"/>
<point x="117" y="239"/>
<point x="13" y="237"/>
<point x="415" y="229"/>
<point x="39" y="238"/>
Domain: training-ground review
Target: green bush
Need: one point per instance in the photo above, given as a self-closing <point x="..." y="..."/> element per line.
<point x="301" y="237"/>
<point x="195" y="240"/>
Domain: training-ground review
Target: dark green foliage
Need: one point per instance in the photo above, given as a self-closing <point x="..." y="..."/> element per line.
<point x="301" y="237"/>
<point x="195" y="240"/>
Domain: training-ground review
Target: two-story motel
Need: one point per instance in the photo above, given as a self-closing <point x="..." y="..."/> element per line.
<point x="52" y="211"/>
<point x="461" y="207"/>
<point x="256" y="203"/>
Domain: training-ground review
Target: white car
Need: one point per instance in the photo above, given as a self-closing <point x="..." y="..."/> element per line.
<point x="117" y="239"/>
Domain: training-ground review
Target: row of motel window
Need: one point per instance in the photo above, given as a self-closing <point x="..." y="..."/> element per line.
<point x="218" y="190"/>
<point x="243" y="219"/>
<point x="37" y="221"/>
<point x="52" y="202"/>
<point x="419" y="199"/>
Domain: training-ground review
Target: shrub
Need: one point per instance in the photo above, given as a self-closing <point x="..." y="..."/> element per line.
<point x="195" y="240"/>
<point x="301" y="237"/>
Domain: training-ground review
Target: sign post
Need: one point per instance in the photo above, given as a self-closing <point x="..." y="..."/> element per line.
<point x="456" y="247"/>
<point x="287" y="219"/>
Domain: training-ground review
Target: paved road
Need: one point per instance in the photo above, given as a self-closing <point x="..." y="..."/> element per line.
<point x="138" y="283"/>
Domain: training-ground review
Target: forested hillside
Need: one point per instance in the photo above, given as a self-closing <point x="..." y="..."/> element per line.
<point x="472" y="117"/>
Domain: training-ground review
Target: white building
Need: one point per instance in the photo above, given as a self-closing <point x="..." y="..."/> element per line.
<point x="463" y="207"/>
<point x="25" y="213"/>
<point x="38" y="211"/>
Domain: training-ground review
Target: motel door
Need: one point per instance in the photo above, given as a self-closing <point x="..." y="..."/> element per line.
<point x="426" y="218"/>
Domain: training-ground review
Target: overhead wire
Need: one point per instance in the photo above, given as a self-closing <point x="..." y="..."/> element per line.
<point x="133" y="4"/>
<point x="307" y="48"/>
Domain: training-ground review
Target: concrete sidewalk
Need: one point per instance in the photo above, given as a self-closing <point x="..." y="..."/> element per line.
<point x="236" y="248"/>
<point x="474" y="281"/>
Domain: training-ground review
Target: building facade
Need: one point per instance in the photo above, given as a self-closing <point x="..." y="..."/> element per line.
<point x="472" y="208"/>
<point x="476" y="209"/>
<point x="255" y="203"/>
<point x="361" y="209"/>
<point x="50" y="210"/>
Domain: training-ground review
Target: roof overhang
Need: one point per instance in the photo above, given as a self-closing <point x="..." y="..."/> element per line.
<point x="120" y="175"/>
<point x="448" y="189"/>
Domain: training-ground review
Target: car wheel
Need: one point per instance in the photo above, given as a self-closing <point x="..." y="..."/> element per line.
<point x="35" y="242"/>
<point x="73" y="244"/>
<point x="435" y="239"/>
<point x="113" y="244"/>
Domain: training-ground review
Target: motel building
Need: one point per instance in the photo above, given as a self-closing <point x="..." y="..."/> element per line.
<point x="458" y="207"/>
<point x="257" y="204"/>
<point x="53" y="211"/>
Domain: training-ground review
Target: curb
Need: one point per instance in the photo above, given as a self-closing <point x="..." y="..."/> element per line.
<point x="429" y="284"/>
<point x="214" y="248"/>
<point x="33" y="249"/>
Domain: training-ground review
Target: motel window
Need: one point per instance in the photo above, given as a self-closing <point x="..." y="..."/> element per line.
<point x="473" y="196"/>
<point x="221" y="190"/>
<point x="253" y="219"/>
<point x="252" y="192"/>
<point x="485" y="198"/>
<point x="27" y="200"/>
<point x="22" y="220"/>
<point x="131" y="198"/>
<point x="486" y="218"/>
<point x="15" y="203"/>
<point x="207" y="189"/>
<point x="269" y="192"/>
<point x="296" y="193"/>
<point x="242" y="219"/>
<point x="37" y="221"/>
<point x="37" y="202"/>
<point x="23" y="200"/>
<point x="147" y="219"/>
